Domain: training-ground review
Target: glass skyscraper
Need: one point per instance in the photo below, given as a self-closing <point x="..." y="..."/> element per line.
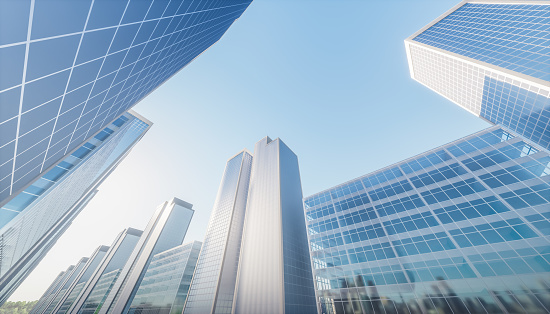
<point x="493" y="59"/>
<point x="96" y="289"/>
<point x="166" y="230"/>
<point x="166" y="283"/>
<point x="214" y="280"/>
<point x="463" y="228"/>
<point x="32" y="222"/>
<point x="274" y="274"/>
<point x="71" y="68"/>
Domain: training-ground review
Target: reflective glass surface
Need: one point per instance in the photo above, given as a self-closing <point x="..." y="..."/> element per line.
<point x="166" y="282"/>
<point x="74" y="66"/>
<point x="469" y="235"/>
<point x="215" y="277"/>
<point x="27" y="218"/>
<point x="512" y="36"/>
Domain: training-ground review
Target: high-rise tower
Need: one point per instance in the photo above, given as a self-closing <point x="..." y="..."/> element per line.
<point x="71" y="68"/>
<point x="492" y="58"/>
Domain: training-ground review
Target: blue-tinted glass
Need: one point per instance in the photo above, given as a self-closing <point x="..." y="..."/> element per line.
<point x="511" y="36"/>
<point x="11" y="62"/>
<point x="124" y="37"/>
<point x="84" y="74"/>
<point x="95" y="44"/>
<point x="136" y="11"/>
<point x="106" y="13"/>
<point x="14" y="21"/>
<point x="51" y="55"/>
<point x="45" y="89"/>
<point x="54" y="18"/>
<point x="6" y="216"/>
<point x="10" y="103"/>
<point x="33" y="118"/>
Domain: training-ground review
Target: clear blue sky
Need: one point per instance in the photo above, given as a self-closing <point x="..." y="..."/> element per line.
<point x="330" y="78"/>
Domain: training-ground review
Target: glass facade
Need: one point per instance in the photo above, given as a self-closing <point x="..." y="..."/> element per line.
<point x="31" y="222"/>
<point x="274" y="269"/>
<point x="96" y="289"/>
<point x="54" y="287"/>
<point x="512" y="36"/>
<point x="70" y="68"/>
<point x="166" y="283"/>
<point x="166" y="230"/>
<point x="213" y="285"/>
<point x="463" y="228"/>
<point x="491" y="59"/>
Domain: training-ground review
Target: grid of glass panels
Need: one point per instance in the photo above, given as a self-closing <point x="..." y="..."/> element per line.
<point x="222" y="243"/>
<point x="74" y="66"/>
<point x="99" y="293"/>
<point x="29" y="216"/>
<point x="520" y="110"/>
<point x="54" y="287"/>
<point x="166" y="282"/>
<point x="471" y="236"/>
<point x="502" y="100"/>
<point x="512" y="36"/>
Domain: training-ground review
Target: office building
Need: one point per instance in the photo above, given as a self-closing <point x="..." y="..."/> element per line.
<point x="166" y="230"/>
<point x="214" y="280"/>
<point x="166" y="282"/>
<point x="76" y="286"/>
<point x="71" y="68"/>
<point x="52" y="290"/>
<point x="274" y="273"/>
<point x="31" y="223"/>
<point x="463" y="228"/>
<point x="96" y="289"/>
<point x="492" y="59"/>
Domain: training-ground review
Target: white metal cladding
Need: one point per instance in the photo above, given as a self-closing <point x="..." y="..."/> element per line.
<point x="259" y="286"/>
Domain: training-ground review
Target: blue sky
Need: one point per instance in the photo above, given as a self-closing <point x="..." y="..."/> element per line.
<point x="330" y="78"/>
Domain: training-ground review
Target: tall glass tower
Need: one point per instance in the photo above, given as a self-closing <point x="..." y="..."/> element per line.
<point x="214" y="280"/>
<point x="492" y="58"/>
<point x="165" y="230"/>
<point x="71" y="68"/>
<point x="463" y="228"/>
<point x="32" y="222"/>
<point x="166" y="283"/>
<point x="274" y="273"/>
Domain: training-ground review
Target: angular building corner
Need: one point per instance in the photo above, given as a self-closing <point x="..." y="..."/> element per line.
<point x="165" y="230"/>
<point x="492" y="59"/>
<point x="213" y="283"/>
<point x="69" y="70"/>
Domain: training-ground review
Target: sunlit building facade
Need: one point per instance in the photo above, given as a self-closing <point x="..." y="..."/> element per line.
<point x="71" y="68"/>
<point x="31" y="223"/>
<point x="274" y="273"/>
<point x="492" y="58"/>
<point x="463" y="228"/>
<point x="165" y="230"/>
<point x="166" y="283"/>
<point x="95" y="291"/>
<point x="215" y="277"/>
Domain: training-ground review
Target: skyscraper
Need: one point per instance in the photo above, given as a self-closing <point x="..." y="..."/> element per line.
<point x="463" y="228"/>
<point x="492" y="59"/>
<point x="71" y="68"/>
<point x="214" y="280"/>
<point x="166" y="230"/>
<point x="166" y="283"/>
<point x="96" y="289"/>
<point x="52" y="291"/>
<point x="69" y="296"/>
<point x="32" y="222"/>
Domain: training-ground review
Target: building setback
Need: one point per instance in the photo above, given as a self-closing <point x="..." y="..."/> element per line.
<point x="31" y="223"/>
<point x="492" y="59"/>
<point x="165" y="284"/>
<point x="461" y="228"/>
<point x="214" y="280"/>
<point x="71" y="68"/>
